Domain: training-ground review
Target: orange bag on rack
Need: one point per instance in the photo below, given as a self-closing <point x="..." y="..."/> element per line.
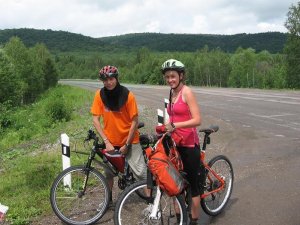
<point x="165" y="168"/>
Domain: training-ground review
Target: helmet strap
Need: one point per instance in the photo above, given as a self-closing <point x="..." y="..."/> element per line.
<point x="177" y="85"/>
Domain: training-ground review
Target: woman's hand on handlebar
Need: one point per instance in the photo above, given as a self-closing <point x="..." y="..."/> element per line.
<point x="168" y="128"/>
<point x="160" y="129"/>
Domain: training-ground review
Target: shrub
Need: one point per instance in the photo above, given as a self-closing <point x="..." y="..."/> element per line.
<point x="58" y="110"/>
<point x="5" y="112"/>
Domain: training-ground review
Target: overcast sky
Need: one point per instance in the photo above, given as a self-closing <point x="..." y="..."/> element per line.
<point x="100" y="18"/>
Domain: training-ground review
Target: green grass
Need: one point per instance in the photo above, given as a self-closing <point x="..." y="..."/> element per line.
<point x="30" y="149"/>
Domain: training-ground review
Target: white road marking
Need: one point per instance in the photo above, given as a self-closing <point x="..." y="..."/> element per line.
<point x="271" y="116"/>
<point x="253" y="96"/>
<point x="246" y="125"/>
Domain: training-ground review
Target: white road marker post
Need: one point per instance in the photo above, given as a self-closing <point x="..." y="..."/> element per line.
<point x="166" y="117"/>
<point x="65" y="147"/>
<point x="160" y="117"/>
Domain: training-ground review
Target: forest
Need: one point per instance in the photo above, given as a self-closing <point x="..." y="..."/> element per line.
<point x="61" y="41"/>
<point x="33" y="60"/>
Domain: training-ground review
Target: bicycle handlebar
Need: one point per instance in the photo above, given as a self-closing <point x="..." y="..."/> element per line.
<point x="93" y="136"/>
<point x="146" y="139"/>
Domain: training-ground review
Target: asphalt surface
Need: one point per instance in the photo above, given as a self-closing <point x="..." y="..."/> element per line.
<point x="259" y="133"/>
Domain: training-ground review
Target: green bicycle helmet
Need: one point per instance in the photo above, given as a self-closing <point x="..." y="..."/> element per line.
<point x="172" y="64"/>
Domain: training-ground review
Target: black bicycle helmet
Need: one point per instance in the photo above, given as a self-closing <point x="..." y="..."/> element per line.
<point x="108" y="71"/>
<point x="172" y="64"/>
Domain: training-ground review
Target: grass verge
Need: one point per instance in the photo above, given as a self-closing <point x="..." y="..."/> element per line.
<point x="30" y="149"/>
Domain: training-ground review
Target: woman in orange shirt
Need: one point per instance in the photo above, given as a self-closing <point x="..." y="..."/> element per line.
<point x="117" y="108"/>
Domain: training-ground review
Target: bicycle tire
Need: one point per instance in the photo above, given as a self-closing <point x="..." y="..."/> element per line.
<point x="131" y="209"/>
<point x="73" y="207"/>
<point x="140" y="193"/>
<point x="214" y="203"/>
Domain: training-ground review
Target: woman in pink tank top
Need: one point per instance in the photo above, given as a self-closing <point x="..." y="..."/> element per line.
<point x="184" y="117"/>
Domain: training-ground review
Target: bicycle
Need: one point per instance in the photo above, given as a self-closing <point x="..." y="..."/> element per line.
<point x="80" y="194"/>
<point x="161" y="209"/>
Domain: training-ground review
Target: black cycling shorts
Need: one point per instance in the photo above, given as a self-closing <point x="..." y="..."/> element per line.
<point x="192" y="165"/>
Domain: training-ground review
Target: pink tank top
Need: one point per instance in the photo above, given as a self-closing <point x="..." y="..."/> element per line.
<point x="179" y="112"/>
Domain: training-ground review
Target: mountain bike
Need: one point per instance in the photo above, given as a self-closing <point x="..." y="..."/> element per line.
<point x="80" y="194"/>
<point x="159" y="208"/>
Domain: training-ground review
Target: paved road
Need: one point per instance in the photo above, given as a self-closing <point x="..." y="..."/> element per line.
<point x="260" y="133"/>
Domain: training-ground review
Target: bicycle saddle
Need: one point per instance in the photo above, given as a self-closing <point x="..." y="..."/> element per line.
<point x="211" y="129"/>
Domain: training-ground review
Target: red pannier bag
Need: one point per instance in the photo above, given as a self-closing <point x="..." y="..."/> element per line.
<point x="165" y="168"/>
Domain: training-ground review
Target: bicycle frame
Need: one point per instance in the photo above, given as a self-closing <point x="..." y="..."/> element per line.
<point x="208" y="169"/>
<point x="117" y="166"/>
<point x="116" y="163"/>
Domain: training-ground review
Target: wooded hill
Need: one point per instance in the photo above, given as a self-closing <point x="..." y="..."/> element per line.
<point x="273" y="42"/>
<point x="61" y="41"/>
<point x="56" y="41"/>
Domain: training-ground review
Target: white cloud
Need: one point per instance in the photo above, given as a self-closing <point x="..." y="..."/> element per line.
<point x="113" y="17"/>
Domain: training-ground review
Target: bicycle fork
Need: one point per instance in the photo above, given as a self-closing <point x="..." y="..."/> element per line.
<point x="87" y="172"/>
<point x="154" y="212"/>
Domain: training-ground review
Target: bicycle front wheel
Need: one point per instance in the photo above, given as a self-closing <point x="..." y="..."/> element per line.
<point x="132" y="209"/>
<point x="79" y="196"/>
<point x="214" y="203"/>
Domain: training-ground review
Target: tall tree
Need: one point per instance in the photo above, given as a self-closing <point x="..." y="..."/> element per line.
<point x="11" y="86"/>
<point x="45" y="72"/>
<point x="142" y="54"/>
<point x="292" y="47"/>
<point x="242" y="67"/>
<point x="18" y="54"/>
<point x="50" y="73"/>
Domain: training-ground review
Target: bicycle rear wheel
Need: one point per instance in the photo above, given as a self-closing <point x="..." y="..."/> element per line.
<point x="76" y="206"/>
<point x="214" y="203"/>
<point x="131" y="209"/>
